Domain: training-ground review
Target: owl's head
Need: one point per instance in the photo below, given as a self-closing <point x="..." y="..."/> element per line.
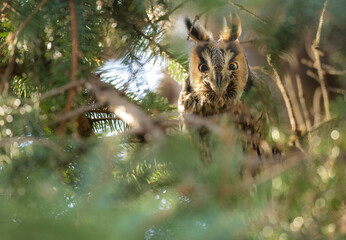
<point x="219" y="65"/>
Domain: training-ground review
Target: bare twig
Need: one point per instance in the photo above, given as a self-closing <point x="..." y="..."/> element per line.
<point x="303" y="104"/>
<point x="320" y="124"/>
<point x="275" y="170"/>
<point x="284" y="94"/>
<point x="326" y="67"/>
<point x="316" y="105"/>
<point x="62" y="89"/>
<point x="332" y="70"/>
<point x="247" y="11"/>
<point x="248" y="41"/>
<point x="80" y="110"/>
<point x="4" y="6"/>
<point x="317" y="63"/>
<point x="74" y="63"/>
<point x="294" y="101"/>
<point x="337" y="90"/>
<point x="12" y="37"/>
<point x="312" y="75"/>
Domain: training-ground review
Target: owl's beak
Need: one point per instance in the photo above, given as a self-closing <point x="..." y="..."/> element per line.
<point x="219" y="81"/>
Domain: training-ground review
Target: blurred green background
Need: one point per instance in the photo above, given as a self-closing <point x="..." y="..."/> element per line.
<point x="85" y="178"/>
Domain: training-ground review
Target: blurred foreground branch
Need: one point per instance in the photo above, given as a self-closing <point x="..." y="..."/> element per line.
<point x="128" y="112"/>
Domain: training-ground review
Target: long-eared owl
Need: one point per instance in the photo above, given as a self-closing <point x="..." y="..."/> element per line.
<point x="219" y="72"/>
<point x="219" y="76"/>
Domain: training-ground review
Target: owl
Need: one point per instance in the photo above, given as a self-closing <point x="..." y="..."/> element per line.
<point x="219" y="72"/>
<point x="218" y="78"/>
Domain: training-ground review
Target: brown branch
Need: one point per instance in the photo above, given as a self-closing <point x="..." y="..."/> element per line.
<point x="4" y="84"/>
<point x="337" y="90"/>
<point x="302" y="103"/>
<point x="327" y="68"/>
<point x="333" y="71"/>
<point x="4" y="6"/>
<point x="62" y="89"/>
<point x="294" y="101"/>
<point x="247" y="41"/>
<point x="80" y="110"/>
<point x="317" y="63"/>
<point x="312" y="75"/>
<point x="4" y="9"/>
<point x="11" y="40"/>
<point x="74" y="63"/>
<point x="274" y="171"/>
<point x="284" y="94"/>
<point x="316" y="105"/>
<point x="12" y="37"/>
<point x="320" y="124"/>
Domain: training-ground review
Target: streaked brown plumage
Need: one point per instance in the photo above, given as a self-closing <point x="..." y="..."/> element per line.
<point x="219" y="72"/>
<point x="219" y="75"/>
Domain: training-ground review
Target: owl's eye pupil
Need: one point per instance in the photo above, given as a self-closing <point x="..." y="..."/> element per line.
<point x="233" y="66"/>
<point x="203" y="67"/>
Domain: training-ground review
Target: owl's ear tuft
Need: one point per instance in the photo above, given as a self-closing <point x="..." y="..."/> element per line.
<point x="232" y="29"/>
<point x="196" y="31"/>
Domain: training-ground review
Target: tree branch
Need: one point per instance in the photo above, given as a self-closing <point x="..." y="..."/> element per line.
<point x="302" y="103"/>
<point x="317" y="63"/>
<point x="128" y="112"/>
<point x="62" y="89"/>
<point x="12" y="37"/>
<point x="104" y="119"/>
<point x="316" y="105"/>
<point x="80" y="110"/>
<point x="284" y="94"/>
<point x="247" y="11"/>
<point x="74" y="63"/>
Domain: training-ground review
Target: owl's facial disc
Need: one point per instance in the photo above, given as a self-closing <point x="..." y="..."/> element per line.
<point x="218" y="67"/>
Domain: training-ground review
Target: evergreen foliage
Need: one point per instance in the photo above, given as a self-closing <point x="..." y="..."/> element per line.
<point x="85" y="172"/>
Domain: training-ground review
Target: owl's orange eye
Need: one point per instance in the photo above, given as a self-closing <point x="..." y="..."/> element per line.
<point x="233" y="66"/>
<point x="203" y="67"/>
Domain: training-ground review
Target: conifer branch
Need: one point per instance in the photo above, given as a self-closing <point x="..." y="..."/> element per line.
<point x="128" y="112"/>
<point x="104" y="119"/>
<point x="12" y="40"/>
